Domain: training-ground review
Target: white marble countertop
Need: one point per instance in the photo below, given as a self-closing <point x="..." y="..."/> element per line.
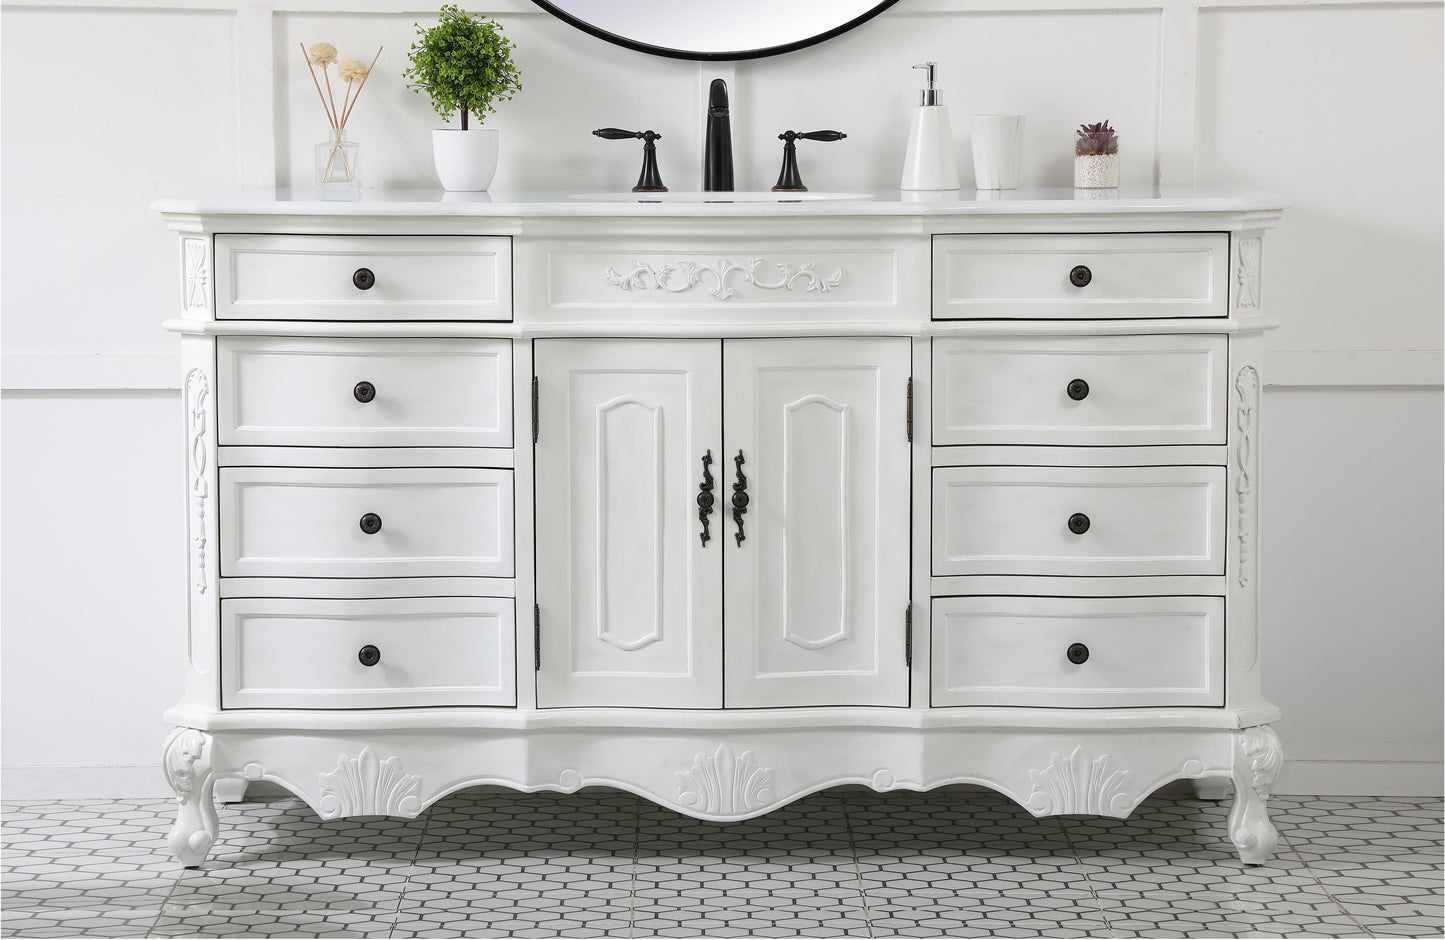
<point x="547" y="203"/>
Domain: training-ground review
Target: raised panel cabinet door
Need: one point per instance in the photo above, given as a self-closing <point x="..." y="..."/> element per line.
<point x="816" y="589"/>
<point x="629" y="596"/>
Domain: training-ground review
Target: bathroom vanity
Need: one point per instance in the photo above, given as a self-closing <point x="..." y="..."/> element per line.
<point x="722" y="503"/>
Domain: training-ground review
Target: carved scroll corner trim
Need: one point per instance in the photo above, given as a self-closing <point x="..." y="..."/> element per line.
<point x="198" y="392"/>
<point x="1246" y="385"/>
<point x="1247" y="273"/>
<point x="1261" y="746"/>
<point x="198" y="274"/>
<point x="186" y="761"/>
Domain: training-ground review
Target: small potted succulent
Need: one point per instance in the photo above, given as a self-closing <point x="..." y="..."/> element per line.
<point x="464" y="64"/>
<point x="1096" y="157"/>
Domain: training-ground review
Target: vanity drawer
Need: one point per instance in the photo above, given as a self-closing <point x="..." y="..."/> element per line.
<point x="364" y="392"/>
<point x="757" y="280"/>
<point x="370" y="277"/>
<point x="1080" y="276"/>
<point x="1083" y="390"/>
<point x="1126" y="651"/>
<point x="365" y="523"/>
<point x="1078" y="521"/>
<point x="290" y="653"/>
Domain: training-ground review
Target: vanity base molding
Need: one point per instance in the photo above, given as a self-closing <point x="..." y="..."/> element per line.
<point x="724" y="774"/>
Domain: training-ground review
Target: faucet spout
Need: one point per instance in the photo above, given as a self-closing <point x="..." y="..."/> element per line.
<point x="717" y="154"/>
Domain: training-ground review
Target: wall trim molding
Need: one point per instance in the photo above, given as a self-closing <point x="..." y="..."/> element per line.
<point x="1359" y="368"/>
<point x="146" y="781"/>
<point x="98" y="371"/>
<point x="1360" y="778"/>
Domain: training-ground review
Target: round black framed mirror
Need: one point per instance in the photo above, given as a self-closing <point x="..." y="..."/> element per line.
<point x="715" y="30"/>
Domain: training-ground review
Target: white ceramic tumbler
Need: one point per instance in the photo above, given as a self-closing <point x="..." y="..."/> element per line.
<point x="998" y="146"/>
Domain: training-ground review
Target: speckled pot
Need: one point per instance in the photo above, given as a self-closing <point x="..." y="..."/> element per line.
<point x="1096" y="171"/>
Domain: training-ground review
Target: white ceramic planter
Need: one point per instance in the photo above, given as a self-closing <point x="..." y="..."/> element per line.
<point x="466" y="160"/>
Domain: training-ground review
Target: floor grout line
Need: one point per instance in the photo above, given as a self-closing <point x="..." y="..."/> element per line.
<point x="1289" y="844"/>
<point x="857" y="866"/>
<point x="415" y="860"/>
<point x="1084" y="871"/>
<point x="636" y="851"/>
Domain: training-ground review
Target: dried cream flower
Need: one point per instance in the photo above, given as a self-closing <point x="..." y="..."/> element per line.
<point x="351" y="70"/>
<point x="322" y="53"/>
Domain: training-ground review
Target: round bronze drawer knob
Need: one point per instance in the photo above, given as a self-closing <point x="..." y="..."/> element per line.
<point x="1078" y="523"/>
<point x="371" y="523"/>
<point x="1080" y="276"/>
<point x="1078" y="654"/>
<point x="1078" y="389"/>
<point x="363" y="279"/>
<point x="364" y="392"/>
<point x="370" y="655"/>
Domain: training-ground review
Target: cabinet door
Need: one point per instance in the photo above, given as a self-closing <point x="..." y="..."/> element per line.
<point x="629" y="595"/>
<point x="816" y="592"/>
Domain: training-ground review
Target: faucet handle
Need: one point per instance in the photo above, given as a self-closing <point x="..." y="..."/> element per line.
<point x="617" y="133"/>
<point x="788" y="179"/>
<point x="791" y="136"/>
<point x="649" y="180"/>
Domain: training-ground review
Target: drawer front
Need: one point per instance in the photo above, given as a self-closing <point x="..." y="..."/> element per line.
<point x="1083" y="390"/>
<point x="674" y="280"/>
<point x="1135" y="651"/>
<point x="1078" y="521"/>
<point x="371" y="277"/>
<point x="290" y="653"/>
<point x="364" y="392"/>
<point x="1080" y="276"/>
<point x="310" y="523"/>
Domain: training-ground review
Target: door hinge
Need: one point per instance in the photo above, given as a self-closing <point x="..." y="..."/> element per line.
<point x="536" y="638"/>
<point x="908" y="637"/>
<point x="910" y="409"/>
<point x="534" y="409"/>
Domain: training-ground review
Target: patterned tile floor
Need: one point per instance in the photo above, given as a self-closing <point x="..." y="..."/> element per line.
<point x="957" y="862"/>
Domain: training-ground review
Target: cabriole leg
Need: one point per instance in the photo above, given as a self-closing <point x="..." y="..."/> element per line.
<point x="187" y="763"/>
<point x="1257" y="760"/>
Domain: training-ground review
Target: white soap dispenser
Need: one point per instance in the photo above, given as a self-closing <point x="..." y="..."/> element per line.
<point x="929" y="163"/>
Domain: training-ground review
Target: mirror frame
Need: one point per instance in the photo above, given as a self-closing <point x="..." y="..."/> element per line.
<point x="697" y="55"/>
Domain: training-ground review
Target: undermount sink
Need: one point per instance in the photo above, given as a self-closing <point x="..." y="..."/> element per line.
<point x="699" y="197"/>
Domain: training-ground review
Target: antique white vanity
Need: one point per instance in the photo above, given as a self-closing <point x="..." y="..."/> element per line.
<point x="722" y="503"/>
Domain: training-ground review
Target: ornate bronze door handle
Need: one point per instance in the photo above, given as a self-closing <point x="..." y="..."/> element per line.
<point x="740" y="497"/>
<point x="705" y="498"/>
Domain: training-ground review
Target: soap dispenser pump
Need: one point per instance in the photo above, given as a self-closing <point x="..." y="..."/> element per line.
<point x="929" y="163"/>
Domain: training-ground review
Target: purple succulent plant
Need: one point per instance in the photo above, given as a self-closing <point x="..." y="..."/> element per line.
<point x="1096" y="139"/>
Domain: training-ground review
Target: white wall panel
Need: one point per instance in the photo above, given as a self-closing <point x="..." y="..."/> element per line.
<point x="1338" y="109"/>
<point x="94" y="561"/>
<point x="1058" y="69"/>
<point x="1350" y="597"/>
<point x="105" y="111"/>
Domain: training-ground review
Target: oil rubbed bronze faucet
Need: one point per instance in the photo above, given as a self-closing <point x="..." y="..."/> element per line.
<point x="717" y="152"/>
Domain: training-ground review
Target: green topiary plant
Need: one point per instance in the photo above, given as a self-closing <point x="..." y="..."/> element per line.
<point x="464" y="64"/>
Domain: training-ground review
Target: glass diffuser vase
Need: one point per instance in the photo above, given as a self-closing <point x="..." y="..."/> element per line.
<point x="337" y="164"/>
